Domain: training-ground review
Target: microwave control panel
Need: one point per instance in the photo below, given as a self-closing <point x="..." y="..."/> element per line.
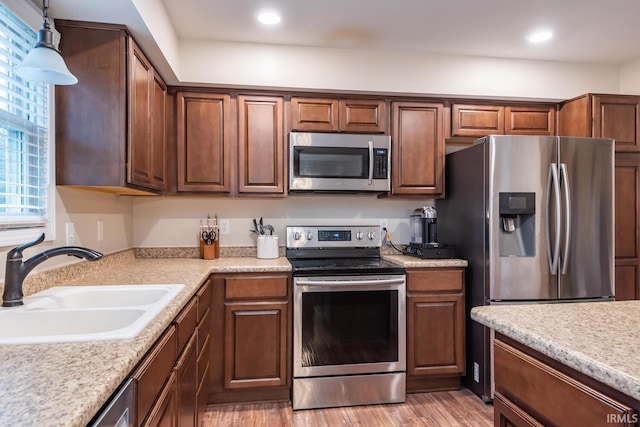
<point x="380" y="163"/>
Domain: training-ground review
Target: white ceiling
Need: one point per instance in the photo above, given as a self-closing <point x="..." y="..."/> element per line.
<point x="594" y="31"/>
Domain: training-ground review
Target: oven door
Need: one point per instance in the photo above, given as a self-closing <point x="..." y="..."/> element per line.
<point x="349" y="325"/>
<point x="339" y="162"/>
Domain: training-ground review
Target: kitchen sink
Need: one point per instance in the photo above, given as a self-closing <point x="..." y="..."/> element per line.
<point x="84" y="313"/>
<point x="70" y="297"/>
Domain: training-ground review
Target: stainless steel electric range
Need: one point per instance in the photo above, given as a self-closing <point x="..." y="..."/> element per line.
<point x="349" y="328"/>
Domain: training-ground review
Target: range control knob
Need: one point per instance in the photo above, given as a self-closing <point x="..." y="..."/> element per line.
<point x="297" y="235"/>
<point x="309" y="236"/>
<point x="371" y="235"/>
<point x="359" y="235"/>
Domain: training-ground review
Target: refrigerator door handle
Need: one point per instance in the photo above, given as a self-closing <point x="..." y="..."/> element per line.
<point x="553" y="254"/>
<point x="564" y="176"/>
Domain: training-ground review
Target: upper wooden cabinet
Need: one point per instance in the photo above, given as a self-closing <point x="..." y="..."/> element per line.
<point x="417" y="149"/>
<point x="481" y="120"/>
<point x="204" y="126"/>
<point x="338" y="115"/>
<point x="110" y="126"/>
<point x="603" y="116"/>
<point x="261" y="147"/>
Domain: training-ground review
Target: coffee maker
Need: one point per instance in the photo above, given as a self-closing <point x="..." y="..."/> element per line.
<point x="424" y="235"/>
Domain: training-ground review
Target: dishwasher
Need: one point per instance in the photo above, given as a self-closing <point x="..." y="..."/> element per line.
<point x="118" y="412"/>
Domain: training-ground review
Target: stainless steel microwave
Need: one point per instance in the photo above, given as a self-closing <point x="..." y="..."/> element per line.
<point x="337" y="162"/>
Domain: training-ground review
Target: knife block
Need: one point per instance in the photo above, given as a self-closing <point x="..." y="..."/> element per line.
<point x="211" y="251"/>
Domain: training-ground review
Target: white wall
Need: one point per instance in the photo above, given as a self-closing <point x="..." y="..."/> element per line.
<point x="225" y="63"/>
<point x="83" y="208"/>
<point x="174" y="221"/>
<point x="630" y="78"/>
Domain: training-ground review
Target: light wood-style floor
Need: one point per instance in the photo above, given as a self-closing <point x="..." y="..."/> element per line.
<point x="442" y="409"/>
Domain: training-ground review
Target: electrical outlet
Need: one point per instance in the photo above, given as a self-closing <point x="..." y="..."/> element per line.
<point x="383" y="224"/>
<point x="70" y="234"/>
<point x="225" y="228"/>
<point x="100" y="226"/>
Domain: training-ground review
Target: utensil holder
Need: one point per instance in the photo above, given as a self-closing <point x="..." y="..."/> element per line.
<point x="267" y="247"/>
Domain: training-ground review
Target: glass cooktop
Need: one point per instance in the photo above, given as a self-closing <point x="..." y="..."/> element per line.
<point x="339" y="266"/>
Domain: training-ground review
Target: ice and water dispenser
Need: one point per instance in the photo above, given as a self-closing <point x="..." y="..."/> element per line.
<point x="517" y="224"/>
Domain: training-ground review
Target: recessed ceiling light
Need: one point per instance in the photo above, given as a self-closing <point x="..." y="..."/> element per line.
<point x="539" y="36"/>
<point x="268" y="17"/>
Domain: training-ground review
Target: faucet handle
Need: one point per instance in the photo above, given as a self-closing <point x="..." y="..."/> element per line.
<point x="16" y="253"/>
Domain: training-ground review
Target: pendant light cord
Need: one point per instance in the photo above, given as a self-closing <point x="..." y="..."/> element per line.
<point x="45" y="14"/>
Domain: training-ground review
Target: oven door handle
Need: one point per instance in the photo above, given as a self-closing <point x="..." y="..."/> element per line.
<point x="368" y="282"/>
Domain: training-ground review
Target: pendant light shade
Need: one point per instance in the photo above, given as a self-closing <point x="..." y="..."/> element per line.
<point x="44" y="62"/>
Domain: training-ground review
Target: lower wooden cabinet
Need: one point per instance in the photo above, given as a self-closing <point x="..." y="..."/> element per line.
<point x="251" y="337"/>
<point x="167" y="381"/>
<point x="435" y="328"/>
<point x="533" y="390"/>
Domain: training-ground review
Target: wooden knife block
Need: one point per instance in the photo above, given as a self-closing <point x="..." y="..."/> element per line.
<point x="211" y="251"/>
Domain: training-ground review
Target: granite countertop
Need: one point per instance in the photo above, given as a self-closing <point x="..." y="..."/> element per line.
<point x="599" y="339"/>
<point x="66" y="384"/>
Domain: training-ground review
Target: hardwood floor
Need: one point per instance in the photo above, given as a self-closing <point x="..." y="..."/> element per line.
<point x="448" y="408"/>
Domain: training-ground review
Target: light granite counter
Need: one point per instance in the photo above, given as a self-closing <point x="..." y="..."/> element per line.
<point x="408" y="261"/>
<point x="598" y="339"/>
<point x="66" y="384"/>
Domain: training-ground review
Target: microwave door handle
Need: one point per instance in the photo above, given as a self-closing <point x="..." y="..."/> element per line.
<point x="370" y="162"/>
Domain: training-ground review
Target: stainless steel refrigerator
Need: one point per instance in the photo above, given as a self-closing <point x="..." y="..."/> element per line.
<point x="534" y="217"/>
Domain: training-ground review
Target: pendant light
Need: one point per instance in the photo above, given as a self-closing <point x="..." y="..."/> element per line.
<point x="44" y="62"/>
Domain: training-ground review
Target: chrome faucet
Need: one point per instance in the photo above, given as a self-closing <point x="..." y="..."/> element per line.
<point x="17" y="270"/>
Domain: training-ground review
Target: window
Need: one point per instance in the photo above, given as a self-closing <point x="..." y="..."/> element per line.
<point x="26" y="183"/>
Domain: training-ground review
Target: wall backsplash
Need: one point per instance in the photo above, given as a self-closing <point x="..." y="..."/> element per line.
<point x="174" y="221"/>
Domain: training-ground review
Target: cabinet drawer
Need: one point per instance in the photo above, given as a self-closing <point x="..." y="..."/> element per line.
<point x="435" y="280"/>
<point x="256" y="287"/>
<point x="152" y="374"/>
<point x="204" y="299"/>
<point x="186" y="323"/>
<point x="544" y="390"/>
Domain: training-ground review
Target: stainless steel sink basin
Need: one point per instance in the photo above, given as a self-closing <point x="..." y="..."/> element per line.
<point x="84" y="313"/>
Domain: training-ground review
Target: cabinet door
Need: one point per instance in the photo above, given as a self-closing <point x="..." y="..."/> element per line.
<point x="417" y="149"/>
<point x="627" y="183"/>
<point x="140" y="93"/>
<point x="508" y="414"/>
<point x="314" y="114"/>
<point x="477" y="120"/>
<point x="261" y="148"/>
<point x="357" y="115"/>
<point x="158" y="132"/>
<point x="530" y="121"/>
<point x="435" y="330"/>
<point x="256" y="344"/>
<point x="165" y="409"/>
<point x="187" y="384"/>
<point x="204" y="139"/>
<point x="617" y="117"/>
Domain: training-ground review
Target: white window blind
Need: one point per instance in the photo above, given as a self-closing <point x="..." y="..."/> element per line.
<point x="24" y="133"/>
